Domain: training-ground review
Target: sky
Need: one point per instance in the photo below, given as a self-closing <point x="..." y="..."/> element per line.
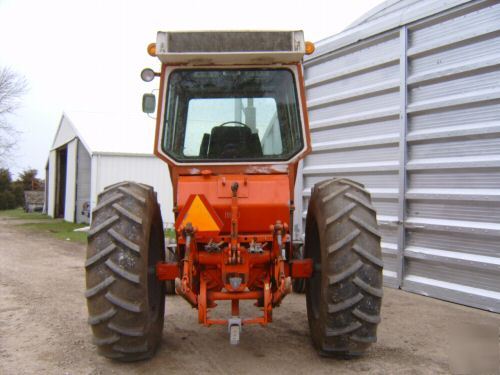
<point x="87" y="55"/>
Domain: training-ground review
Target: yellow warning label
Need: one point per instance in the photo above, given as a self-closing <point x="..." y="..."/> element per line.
<point x="199" y="216"/>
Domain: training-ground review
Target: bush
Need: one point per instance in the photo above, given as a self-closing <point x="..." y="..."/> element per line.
<point x="5" y="179"/>
<point x="18" y="191"/>
<point x="3" y="203"/>
<point x="10" y="200"/>
<point x="7" y="200"/>
<point x="12" y="192"/>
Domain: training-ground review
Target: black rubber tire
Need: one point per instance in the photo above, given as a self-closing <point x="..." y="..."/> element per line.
<point x="125" y="301"/>
<point x="298" y="285"/>
<point x="170" y="284"/>
<point x="344" y="294"/>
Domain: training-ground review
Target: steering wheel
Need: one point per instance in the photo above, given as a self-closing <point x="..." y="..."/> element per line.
<point x="234" y="122"/>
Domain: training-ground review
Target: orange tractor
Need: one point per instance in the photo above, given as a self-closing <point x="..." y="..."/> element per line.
<point x="232" y="126"/>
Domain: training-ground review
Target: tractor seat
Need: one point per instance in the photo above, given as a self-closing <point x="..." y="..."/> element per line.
<point x="233" y="142"/>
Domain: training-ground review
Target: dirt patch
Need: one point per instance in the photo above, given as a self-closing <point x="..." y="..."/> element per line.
<point x="43" y="326"/>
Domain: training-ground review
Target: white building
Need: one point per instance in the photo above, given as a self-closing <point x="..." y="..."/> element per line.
<point x="93" y="150"/>
<point x="407" y="101"/>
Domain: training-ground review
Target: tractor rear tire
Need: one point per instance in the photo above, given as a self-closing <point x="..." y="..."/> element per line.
<point x="125" y="300"/>
<point x="344" y="294"/>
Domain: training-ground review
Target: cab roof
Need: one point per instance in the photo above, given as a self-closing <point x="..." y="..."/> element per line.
<point x="230" y="47"/>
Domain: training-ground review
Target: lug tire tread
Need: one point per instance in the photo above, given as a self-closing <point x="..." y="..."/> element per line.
<point x="343" y="322"/>
<point x="126" y="324"/>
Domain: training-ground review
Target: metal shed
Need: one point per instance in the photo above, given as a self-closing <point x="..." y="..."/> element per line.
<point x="407" y="102"/>
<point x="93" y="150"/>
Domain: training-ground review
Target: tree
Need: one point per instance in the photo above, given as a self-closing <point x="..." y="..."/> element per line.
<point x="12" y="192"/>
<point x="9" y="197"/>
<point x="12" y="88"/>
<point x="5" y="179"/>
<point x="29" y="181"/>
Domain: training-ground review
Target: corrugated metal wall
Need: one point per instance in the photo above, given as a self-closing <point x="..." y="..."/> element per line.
<point x="108" y="169"/>
<point x="414" y="114"/>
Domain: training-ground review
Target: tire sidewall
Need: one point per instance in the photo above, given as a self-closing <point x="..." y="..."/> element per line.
<point x="316" y="325"/>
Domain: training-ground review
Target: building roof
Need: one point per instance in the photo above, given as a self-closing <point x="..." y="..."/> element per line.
<point x="107" y="133"/>
<point x="384" y="8"/>
<point x="389" y="15"/>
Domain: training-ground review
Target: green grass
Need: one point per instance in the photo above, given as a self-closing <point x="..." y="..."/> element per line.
<point x="170" y="233"/>
<point x="57" y="228"/>
<point x="19" y="213"/>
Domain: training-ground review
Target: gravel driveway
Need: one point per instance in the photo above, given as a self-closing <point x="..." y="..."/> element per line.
<point x="43" y="327"/>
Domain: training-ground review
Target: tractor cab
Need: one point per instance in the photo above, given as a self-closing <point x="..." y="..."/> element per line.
<point x="231" y="98"/>
<point x="232" y="115"/>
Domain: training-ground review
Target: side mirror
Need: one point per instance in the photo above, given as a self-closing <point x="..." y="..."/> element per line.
<point x="148" y="103"/>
